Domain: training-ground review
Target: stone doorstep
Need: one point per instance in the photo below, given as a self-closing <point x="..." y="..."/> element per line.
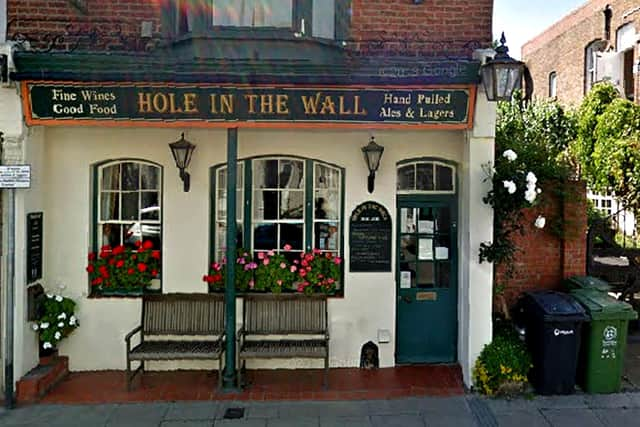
<point x="37" y="382"/>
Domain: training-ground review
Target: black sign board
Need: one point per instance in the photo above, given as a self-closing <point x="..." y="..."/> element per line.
<point x="249" y="105"/>
<point x="34" y="246"/>
<point x="370" y="238"/>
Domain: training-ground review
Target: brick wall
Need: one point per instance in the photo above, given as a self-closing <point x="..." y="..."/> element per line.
<point x="433" y="28"/>
<point x="561" y="48"/>
<point x="543" y="258"/>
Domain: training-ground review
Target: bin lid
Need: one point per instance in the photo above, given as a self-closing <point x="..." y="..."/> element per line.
<point x="602" y="306"/>
<point x="556" y="306"/>
<point x="587" y="282"/>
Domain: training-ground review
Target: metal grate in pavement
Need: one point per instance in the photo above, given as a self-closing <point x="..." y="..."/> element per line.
<point x="233" y="413"/>
<point x="481" y="412"/>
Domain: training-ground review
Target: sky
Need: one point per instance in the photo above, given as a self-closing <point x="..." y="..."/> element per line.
<point x="521" y="20"/>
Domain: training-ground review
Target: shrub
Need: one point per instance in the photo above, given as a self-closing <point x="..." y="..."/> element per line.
<point x="503" y="364"/>
<point x="56" y="320"/>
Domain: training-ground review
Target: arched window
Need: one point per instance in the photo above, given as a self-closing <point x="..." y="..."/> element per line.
<point x="590" y="63"/>
<point x="426" y="176"/>
<point x="553" y="85"/>
<point x="288" y="205"/>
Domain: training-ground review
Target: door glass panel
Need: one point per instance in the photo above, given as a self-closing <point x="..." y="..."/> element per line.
<point x="407" y="220"/>
<point x="407" y="269"/>
<point x="408" y="248"/>
<point x="426" y="275"/>
<point x="443" y="221"/>
<point x="444" y="275"/>
<point x="426" y="221"/>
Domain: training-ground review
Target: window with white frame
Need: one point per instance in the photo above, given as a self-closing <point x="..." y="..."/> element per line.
<point x="590" y="63"/>
<point x="426" y="176"/>
<point x="293" y="205"/>
<point x="129" y="203"/>
<point x="553" y="85"/>
<point x="314" y="18"/>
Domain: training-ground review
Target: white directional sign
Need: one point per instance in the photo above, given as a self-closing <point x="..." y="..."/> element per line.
<point x="15" y="176"/>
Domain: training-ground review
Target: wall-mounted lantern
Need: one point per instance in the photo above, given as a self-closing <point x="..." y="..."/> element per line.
<point x="502" y="75"/>
<point x="372" y="155"/>
<point x="182" y="151"/>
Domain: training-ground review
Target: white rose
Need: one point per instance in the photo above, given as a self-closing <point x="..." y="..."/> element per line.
<point x="510" y="186"/>
<point x="58" y="298"/>
<point x="44" y="325"/>
<point x="531" y="178"/>
<point x="540" y="221"/>
<point x="49" y="296"/>
<point x="46" y="345"/>
<point x="530" y="195"/>
<point x="35" y="327"/>
<point x="510" y="155"/>
<point x="61" y="325"/>
<point x="538" y="190"/>
<point x="72" y="320"/>
<point x="62" y="316"/>
<point x="58" y="335"/>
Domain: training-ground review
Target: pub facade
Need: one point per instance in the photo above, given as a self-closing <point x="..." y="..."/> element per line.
<point x="280" y="99"/>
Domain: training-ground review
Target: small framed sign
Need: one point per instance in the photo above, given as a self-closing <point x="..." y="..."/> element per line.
<point x="15" y="176"/>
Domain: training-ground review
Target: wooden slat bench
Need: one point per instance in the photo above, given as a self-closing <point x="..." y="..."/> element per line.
<point x="181" y="327"/>
<point x="284" y="326"/>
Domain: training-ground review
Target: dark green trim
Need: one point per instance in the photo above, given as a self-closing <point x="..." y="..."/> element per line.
<point x="213" y="177"/>
<point x="342" y="19"/>
<point x="344" y="219"/>
<point x="309" y="202"/>
<point x="248" y="203"/>
<point x="229" y="379"/>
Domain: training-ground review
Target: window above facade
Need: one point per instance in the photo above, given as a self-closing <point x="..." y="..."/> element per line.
<point x="553" y="85"/>
<point x="591" y="63"/>
<point x="323" y="19"/>
<point x="426" y="177"/>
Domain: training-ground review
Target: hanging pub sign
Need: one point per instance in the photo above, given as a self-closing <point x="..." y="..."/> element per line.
<point x="34" y="246"/>
<point x="246" y="106"/>
<point x="370" y="238"/>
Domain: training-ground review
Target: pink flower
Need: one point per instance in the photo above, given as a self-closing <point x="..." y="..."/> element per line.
<point x="216" y="266"/>
<point x="295" y="261"/>
<point x="283" y="265"/>
<point x="337" y="260"/>
<point x="271" y="253"/>
<point x="251" y="284"/>
<point x="260" y="255"/>
<point x="293" y="268"/>
<point x="300" y="287"/>
<point x="287" y="247"/>
<point x="304" y="263"/>
<point x="265" y="261"/>
<point x="316" y="251"/>
<point x="279" y="282"/>
<point x="330" y="281"/>
<point x="241" y="261"/>
<point x="245" y="254"/>
<point x="303" y="273"/>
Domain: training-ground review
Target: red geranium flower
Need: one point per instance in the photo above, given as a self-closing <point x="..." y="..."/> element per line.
<point x="155" y="254"/>
<point x="91" y="268"/>
<point x="147" y="244"/>
<point x="96" y="281"/>
<point x="138" y="243"/>
<point x="130" y="271"/>
<point x="118" y="250"/>
<point x="154" y="273"/>
<point x="92" y="256"/>
<point x="120" y="263"/>
<point x="142" y="267"/>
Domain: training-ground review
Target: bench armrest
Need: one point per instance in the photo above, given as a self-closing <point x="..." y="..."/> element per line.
<point x="127" y="337"/>
<point x="222" y="335"/>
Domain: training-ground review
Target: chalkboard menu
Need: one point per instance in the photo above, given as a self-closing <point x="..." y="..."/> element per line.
<point x="370" y="238"/>
<point x="34" y="246"/>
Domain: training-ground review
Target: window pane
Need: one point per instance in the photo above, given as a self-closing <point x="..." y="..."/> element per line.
<point x="444" y="275"/>
<point x="253" y="13"/>
<point x="425" y="176"/>
<point x="323" y="19"/>
<point x="132" y="233"/>
<point x="110" y="234"/>
<point x="150" y="205"/>
<point x="265" y="174"/>
<point x="426" y="274"/>
<point x="130" y="176"/>
<point x="221" y="204"/>
<point x="265" y="205"/>
<point x="109" y="206"/>
<point x="291" y="234"/>
<point x="407" y="177"/>
<point x="407" y="220"/>
<point x="444" y="178"/>
<point x="291" y="204"/>
<point x="111" y="178"/>
<point x="291" y="174"/>
<point x="326" y="177"/>
<point x="221" y="181"/>
<point x="326" y="236"/>
<point x="327" y="205"/>
<point x="149" y="177"/>
<point x="409" y="267"/>
<point x="130" y="206"/>
<point x="152" y="232"/>
<point x="408" y="248"/>
<point x="265" y="237"/>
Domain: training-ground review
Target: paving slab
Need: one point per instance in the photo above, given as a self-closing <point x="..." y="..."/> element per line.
<point x="293" y="422"/>
<point x="192" y="411"/>
<point x="186" y="423"/>
<point x="508" y="405"/>
<point x="522" y="418"/>
<point x="138" y="414"/>
<point x="572" y="401"/>
<point x="572" y="417"/>
<point x="409" y="406"/>
<point x="297" y="409"/>
<point x="448" y="420"/>
<point x="346" y="422"/>
<point x="345" y="409"/>
<point x="619" y="417"/>
<point x="450" y="405"/>
<point x="397" y="421"/>
<point x="255" y="422"/>
<point x="618" y="400"/>
<point x="262" y="410"/>
<point x="635" y="399"/>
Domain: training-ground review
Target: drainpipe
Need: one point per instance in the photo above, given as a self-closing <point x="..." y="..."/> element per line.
<point x="9" y="294"/>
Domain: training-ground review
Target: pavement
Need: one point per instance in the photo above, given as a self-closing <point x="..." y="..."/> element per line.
<point x="622" y="409"/>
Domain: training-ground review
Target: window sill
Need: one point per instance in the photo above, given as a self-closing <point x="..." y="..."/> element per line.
<point x="249" y="34"/>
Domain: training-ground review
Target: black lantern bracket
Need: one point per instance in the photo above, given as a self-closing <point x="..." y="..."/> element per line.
<point x="182" y="151"/>
<point x="372" y="155"/>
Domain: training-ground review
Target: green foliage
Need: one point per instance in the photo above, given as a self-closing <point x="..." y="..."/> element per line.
<point x="503" y="365"/>
<point x="539" y="133"/>
<point x="608" y="144"/>
<point x="56" y="320"/>
<point x="274" y="273"/>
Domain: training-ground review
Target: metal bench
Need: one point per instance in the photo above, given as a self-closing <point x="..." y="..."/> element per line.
<point x="284" y="326"/>
<point x="178" y="327"/>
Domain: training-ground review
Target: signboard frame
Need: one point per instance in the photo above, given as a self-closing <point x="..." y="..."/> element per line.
<point x="373" y="223"/>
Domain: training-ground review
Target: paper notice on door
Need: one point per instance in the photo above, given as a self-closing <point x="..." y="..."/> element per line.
<point x="425" y="227"/>
<point x="442" y="252"/>
<point x="425" y="249"/>
<point x="405" y="279"/>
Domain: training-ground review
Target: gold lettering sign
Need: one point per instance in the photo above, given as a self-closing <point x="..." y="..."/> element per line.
<point x="426" y="296"/>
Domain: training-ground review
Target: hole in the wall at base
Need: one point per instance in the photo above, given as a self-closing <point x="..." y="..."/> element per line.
<point x="369" y="358"/>
<point x="233" y="413"/>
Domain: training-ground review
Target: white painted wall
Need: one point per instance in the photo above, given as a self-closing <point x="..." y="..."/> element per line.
<point x="3" y="21"/>
<point x="369" y="301"/>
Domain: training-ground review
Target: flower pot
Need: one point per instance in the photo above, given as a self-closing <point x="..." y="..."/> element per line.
<point x="48" y="355"/>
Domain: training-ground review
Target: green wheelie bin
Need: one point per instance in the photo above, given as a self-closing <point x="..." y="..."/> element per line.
<point x="587" y="282"/>
<point x="604" y="341"/>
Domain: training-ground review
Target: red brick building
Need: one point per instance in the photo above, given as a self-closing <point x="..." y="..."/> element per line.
<point x="598" y="41"/>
